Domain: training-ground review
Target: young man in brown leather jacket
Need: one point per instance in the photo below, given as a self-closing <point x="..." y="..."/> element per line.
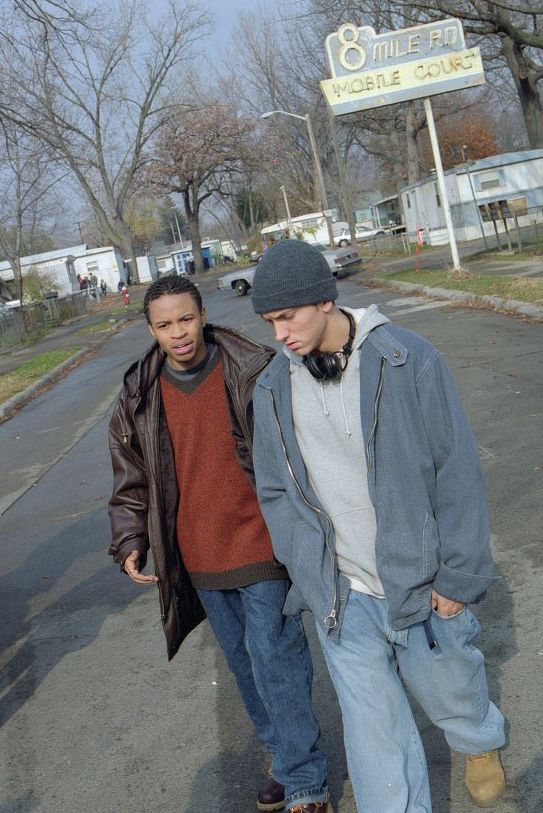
<point x="180" y="441"/>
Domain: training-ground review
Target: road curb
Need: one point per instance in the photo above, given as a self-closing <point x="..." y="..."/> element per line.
<point x="496" y="303"/>
<point x="20" y="398"/>
<point x="25" y="395"/>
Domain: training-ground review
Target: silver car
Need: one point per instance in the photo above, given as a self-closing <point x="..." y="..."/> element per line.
<point x="362" y="233"/>
<point x="241" y="280"/>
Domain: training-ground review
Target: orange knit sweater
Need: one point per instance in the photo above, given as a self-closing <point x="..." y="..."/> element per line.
<point x="221" y="534"/>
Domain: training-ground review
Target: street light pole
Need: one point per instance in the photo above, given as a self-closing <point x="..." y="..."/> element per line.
<point x="316" y="161"/>
<point x="318" y="167"/>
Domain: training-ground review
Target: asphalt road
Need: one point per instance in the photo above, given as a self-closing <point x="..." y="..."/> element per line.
<point x="95" y="719"/>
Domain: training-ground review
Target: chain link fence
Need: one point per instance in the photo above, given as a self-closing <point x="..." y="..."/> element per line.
<point x="18" y="325"/>
<point x="389" y="243"/>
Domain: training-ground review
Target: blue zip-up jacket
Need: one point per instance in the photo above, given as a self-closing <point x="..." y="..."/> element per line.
<point x="424" y="481"/>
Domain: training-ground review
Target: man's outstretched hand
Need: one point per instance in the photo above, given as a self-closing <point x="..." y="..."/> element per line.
<point x="131" y="567"/>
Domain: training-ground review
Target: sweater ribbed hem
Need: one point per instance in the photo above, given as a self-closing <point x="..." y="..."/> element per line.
<point x="239" y="577"/>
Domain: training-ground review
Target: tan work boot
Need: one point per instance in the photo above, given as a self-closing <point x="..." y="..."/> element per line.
<point x="485" y="779"/>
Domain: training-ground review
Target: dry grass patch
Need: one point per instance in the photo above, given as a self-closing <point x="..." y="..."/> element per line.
<point x="29" y="372"/>
<point x="103" y="326"/>
<point x="523" y="289"/>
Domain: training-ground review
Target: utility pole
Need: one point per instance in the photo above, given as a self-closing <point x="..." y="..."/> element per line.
<point x="316" y="162"/>
<point x="477" y="210"/>
<point x="178" y="228"/>
<point x="289" y="219"/>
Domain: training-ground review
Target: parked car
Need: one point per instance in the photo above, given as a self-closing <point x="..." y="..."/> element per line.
<point x="362" y="233"/>
<point x="338" y="258"/>
<point x="241" y="280"/>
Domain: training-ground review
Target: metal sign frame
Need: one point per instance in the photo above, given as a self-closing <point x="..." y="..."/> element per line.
<point x="373" y="70"/>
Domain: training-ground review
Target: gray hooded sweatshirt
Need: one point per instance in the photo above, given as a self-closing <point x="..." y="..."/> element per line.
<point x="328" y="430"/>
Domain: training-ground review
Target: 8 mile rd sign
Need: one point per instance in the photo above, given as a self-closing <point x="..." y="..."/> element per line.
<point x="372" y="70"/>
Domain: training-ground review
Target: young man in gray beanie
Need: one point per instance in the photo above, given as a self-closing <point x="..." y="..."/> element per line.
<point x="369" y="481"/>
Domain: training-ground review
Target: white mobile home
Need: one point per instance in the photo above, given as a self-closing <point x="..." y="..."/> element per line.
<point x="66" y="263"/>
<point x="474" y="189"/>
<point x="311" y="227"/>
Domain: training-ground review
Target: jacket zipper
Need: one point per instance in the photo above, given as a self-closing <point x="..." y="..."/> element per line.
<point x="125" y="435"/>
<point x="161" y="604"/>
<point x="159" y="492"/>
<point x="331" y="619"/>
<point x="375" y="411"/>
<point x="239" y="407"/>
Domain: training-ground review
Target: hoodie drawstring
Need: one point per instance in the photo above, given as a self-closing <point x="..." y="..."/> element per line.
<point x="323" y="399"/>
<point x="326" y="411"/>
<point x="347" y="427"/>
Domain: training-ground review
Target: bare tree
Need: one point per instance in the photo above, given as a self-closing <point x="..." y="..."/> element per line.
<point x="509" y="32"/>
<point x="274" y="67"/>
<point x="28" y="179"/>
<point x="278" y="64"/>
<point x="57" y="14"/>
<point x="196" y="156"/>
<point x="97" y="95"/>
<point x="396" y="136"/>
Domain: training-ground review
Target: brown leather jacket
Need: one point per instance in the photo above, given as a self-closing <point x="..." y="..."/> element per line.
<point x="143" y="506"/>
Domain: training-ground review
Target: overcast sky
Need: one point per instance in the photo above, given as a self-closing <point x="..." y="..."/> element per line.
<point x="225" y="13"/>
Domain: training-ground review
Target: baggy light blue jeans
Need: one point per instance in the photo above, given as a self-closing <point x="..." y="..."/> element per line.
<point x="369" y="665"/>
<point x="270" y="659"/>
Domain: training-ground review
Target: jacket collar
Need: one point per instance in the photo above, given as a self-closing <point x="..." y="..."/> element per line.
<point x="388" y="346"/>
<point x="141" y="376"/>
<point x="238" y="347"/>
<point x="381" y="339"/>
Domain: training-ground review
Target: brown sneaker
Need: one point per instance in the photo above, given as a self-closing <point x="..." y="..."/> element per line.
<point x="484" y="779"/>
<point x="312" y="807"/>
<point x="271" y="795"/>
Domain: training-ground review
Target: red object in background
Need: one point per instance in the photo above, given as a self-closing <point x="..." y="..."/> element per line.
<point x="126" y="296"/>
<point x="419" y="243"/>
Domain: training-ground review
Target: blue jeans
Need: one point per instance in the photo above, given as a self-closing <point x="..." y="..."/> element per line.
<point x="370" y="663"/>
<point x="269" y="656"/>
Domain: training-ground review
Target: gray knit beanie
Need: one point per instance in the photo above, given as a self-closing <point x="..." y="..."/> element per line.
<point x="290" y="274"/>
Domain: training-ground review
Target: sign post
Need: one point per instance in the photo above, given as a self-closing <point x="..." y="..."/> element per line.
<point x="441" y="183"/>
<point x="370" y="70"/>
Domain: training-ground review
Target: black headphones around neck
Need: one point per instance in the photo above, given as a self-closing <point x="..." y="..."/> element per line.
<point x="330" y="366"/>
